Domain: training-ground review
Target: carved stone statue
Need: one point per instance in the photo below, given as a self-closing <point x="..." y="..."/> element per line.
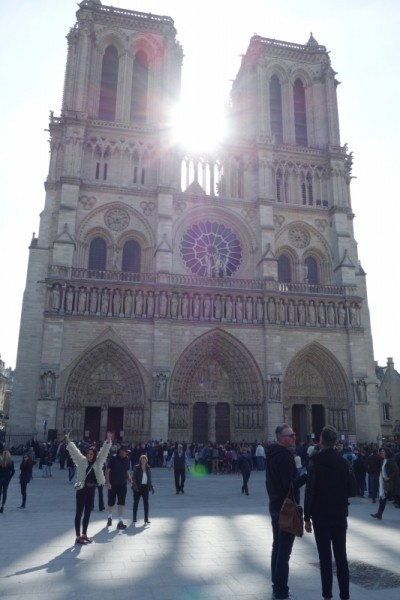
<point x="302" y="312"/>
<point x="361" y="391"/>
<point x="311" y="313"/>
<point x="331" y="314"/>
<point x="161" y="386"/>
<point x="354" y="315"/>
<point x="55" y="298"/>
<point x="163" y="304"/>
<point x="105" y="299"/>
<point x="259" y="310"/>
<point x="128" y="303"/>
<point x="217" y="307"/>
<point x="117" y="303"/>
<point x="228" y="309"/>
<point x="207" y="307"/>
<point x="185" y="306"/>
<point x="150" y="304"/>
<point x="196" y="306"/>
<point x="93" y="301"/>
<point x="139" y="304"/>
<point x="174" y="306"/>
<point x="239" y="309"/>
<point x="271" y="310"/>
<point x="341" y="314"/>
<point x="69" y="299"/>
<point x="275" y="389"/>
<point x="249" y="310"/>
<point x="321" y="314"/>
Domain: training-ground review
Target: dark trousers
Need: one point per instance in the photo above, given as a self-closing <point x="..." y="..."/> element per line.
<point x="84" y="504"/>
<point x="281" y="550"/>
<point x="3" y="491"/>
<point x="373" y="481"/>
<point x="143" y="492"/>
<point x="330" y="533"/>
<point x="180" y="478"/>
<point x="23" y="485"/>
<point x="246" y="477"/>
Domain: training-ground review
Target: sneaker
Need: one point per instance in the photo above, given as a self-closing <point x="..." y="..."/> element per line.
<point x="121" y="525"/>
<point x="109" y="522"/>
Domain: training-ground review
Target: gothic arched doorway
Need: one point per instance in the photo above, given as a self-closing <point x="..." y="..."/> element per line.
<point x="105" y="391"/>
<point x="218" y="377"/>
<point x="315" y="393"/>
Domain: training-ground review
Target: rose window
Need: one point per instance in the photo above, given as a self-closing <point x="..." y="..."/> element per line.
<point x="210" y="249"/>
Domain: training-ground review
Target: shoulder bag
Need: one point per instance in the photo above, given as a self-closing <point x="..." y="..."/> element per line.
<point x="79" y="485"/>
<point x="291" y="515"/>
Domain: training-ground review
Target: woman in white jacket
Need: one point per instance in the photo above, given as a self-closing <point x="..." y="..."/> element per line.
<point x="89" y="474"/>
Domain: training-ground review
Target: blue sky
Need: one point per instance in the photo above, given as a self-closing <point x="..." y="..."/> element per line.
<point x="363" y="39"/>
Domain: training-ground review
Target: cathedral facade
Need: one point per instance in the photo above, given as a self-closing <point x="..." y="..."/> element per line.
<point x="204" y="298"/>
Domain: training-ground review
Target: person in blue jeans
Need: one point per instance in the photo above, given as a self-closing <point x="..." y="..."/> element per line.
<point x="280" y="474"/>
<point x="326" y="509"/>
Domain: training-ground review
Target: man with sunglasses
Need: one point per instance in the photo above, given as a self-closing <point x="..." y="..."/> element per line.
<point x="280" y="473"/>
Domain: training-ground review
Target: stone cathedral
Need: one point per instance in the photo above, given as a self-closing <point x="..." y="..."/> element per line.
<point x="193" y="297"/>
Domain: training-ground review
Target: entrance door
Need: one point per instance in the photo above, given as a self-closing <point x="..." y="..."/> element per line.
<point x="222" y="423"/>
<point x="299" y="422"/>
<point x="200" y="423"/>
<point x="318" y="419"/>
<point x="92" y="423"/>
<point x="115" y="421"/>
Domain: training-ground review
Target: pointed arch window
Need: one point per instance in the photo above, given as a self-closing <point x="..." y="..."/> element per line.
<point x="300" y="117"/>
<point x="275" y="102"/>
<point x="109" y="83"/>
<point x="284" y="269"/>
<point x="131" y="257"/>
<point x="98" y="254"/>
<point x="311" y="271"/>
<point x="140" y="82"/>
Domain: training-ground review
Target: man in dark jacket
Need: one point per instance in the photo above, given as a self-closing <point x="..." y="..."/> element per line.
<point x="117" y="477"/>
<point x="179" y="462"/>
<point x="280" y="473"/>
<point x="326" y="504"/>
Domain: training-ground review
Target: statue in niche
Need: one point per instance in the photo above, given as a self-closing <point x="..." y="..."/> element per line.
<point x="217" y="307"/>
<point x="161" y="386"/>
<point x="117" y="303"/>
<point x="302" y="313"/>
<point x="55" y="298"/>
<point x="82" y="300"/>
<point x="128" y="303"/>
<point x="163" y="304"/>
<point x="271" y="310"/>
<point x="150" y="304"/>
<point x="185" y="306"/>
<point x="291" y="312"/>
<point x="196" y="306"/>
<point x="93" y="301"/>
<point x="259" y="311"/>
<point x="48" y="384"/>
<point x="361" y="391"/>
<point x="228" y="309"/>
<point x="207" y="307"/>
<point x="282" y="311"/>
<point x="249" y="310"/>
<point x="208" y="265"/>
<point x="311" y="313"/>
<point x="321" y="314"/>
<point x="69" y="299"/>
<point x="275" y="389"/>
<point x="105" y="300"/>
<point x="174" y="306"/>
<point x="341" y="314"/>
<point x="331" y="314"/>
<point x="354" y="315"/>
<point x="139" y="304"/>
<point x="239" y="309"/>
<point x="220" y="265"/>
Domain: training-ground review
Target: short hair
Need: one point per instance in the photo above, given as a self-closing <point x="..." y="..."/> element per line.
<point x="329" y="436"/>
<point x="280" y="428"/>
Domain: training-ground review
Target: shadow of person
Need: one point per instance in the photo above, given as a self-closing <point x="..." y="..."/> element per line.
<point x="134" y="529"/>
<point x="67" y="561"/>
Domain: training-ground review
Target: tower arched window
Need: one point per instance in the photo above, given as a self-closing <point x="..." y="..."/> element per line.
<point x="284" y="269"/>
<point x="140" y="82"/>
<point x="131" y="257"/>
<point x="275" y="103"/>
<point x="109" y="84"/>
<point x="98" y="254"/>
<point x="311" y="270"/>
<point x="300" y="117"/>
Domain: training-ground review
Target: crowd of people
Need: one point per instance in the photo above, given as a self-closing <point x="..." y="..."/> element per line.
<point x="330" y="472"/>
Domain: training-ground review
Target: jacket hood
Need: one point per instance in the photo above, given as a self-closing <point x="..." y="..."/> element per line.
<point x="327" y="458"/>
<point x="274" y="449"/>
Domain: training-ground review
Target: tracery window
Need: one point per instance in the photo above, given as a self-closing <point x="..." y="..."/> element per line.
<point x="311" y="271"/>
<point x="98" y="254"/>
<point x="275" y="102"/>
<point x="210" y="249"/>
<point x="140" y="81"/>
<point x="109" y="83"/>
<point x="284" y="269"/>
<point x="131" y="257"/>
<point x="300" y="117"/>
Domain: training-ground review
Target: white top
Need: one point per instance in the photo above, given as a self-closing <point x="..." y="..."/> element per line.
<point x="144" y="478"/>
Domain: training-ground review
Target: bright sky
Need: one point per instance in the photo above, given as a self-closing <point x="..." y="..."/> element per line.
<point x="363" y="39"/>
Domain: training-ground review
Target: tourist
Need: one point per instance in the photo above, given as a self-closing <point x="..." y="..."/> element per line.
<point x="117" y="478"/>
<point x="389" y="481"/>
<point x="25" y="476"/>
<point x="244" y="465"/>
<point x="179" y="462"/>
<point x="141" y="486"/>
<point x="7" y="471"/>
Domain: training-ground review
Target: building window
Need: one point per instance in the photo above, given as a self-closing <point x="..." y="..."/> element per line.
<point x="284" y="269"/>
<point x="300" y="119"/>
<point x="140" y="81"/>
<point x="275" y="103"/>
<point x="131" y="257"/>
<point x="109" y="83"/>
<point x="311" y="271"/>
<point x="97" y="254"/>
<point x="386" y="412"/>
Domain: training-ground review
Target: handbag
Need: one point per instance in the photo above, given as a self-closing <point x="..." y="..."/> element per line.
<point x="291" y="515"/>
<point x="388" y="485"/>
<point x="79" y="485"/>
